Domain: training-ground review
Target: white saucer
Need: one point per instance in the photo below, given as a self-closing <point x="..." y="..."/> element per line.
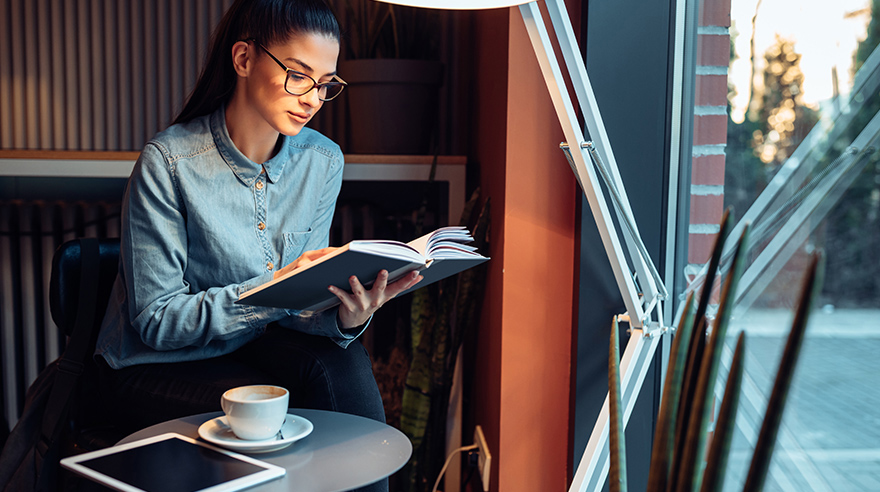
<point x="217" y="431"/>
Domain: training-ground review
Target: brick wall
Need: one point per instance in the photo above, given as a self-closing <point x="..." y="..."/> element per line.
<point x="710" y="131"/>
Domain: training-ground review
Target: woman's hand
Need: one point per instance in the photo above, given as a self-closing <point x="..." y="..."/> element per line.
<point x="303" y="260"/>
<point x="357" y="307"/>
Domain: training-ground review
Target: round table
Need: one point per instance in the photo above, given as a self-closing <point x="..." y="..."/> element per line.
<point x="343" y="451"/>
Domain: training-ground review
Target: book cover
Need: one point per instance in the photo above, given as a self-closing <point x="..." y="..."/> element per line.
<point x="436" y="255"/>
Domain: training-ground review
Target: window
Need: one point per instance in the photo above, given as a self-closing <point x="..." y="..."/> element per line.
<point x="786" y="132"/>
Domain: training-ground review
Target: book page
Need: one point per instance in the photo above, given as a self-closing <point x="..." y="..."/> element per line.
<point x="456" y="235"/>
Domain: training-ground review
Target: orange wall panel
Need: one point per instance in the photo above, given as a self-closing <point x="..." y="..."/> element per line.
<point x="539" y="244"/>
<point x="521" y="384"/>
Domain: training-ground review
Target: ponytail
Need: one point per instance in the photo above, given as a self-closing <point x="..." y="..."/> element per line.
<point x="270" y="22"/>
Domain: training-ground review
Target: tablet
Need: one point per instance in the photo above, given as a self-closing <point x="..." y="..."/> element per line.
<point x="171" y="463"/>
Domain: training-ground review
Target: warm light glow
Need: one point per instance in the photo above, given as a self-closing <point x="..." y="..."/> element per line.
<point x="825" y="57"/>
<point x="458" y="4"/>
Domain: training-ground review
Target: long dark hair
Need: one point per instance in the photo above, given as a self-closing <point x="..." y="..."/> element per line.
<point x="269" y="21"/>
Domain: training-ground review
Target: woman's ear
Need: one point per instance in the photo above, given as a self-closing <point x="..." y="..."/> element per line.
<point x="242" y="58"/>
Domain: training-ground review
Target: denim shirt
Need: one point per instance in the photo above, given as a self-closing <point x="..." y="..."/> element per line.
<point x="201" y="223"/>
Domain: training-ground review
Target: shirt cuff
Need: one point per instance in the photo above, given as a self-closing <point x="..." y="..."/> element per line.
<point x="323" y="323"/>
<point x="350" y="334"/>
<point x="259" y="316"/>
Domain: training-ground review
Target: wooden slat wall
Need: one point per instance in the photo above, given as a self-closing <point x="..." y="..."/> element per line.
<point x="98" y="74"/>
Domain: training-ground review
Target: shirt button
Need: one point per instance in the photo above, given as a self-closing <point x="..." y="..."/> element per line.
<point x="259" y="184"/>
<point x="261" y="226"/>
<point x="269" y="266"/>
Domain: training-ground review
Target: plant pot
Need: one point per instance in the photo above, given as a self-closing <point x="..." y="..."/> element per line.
<point x="392" y="105"/>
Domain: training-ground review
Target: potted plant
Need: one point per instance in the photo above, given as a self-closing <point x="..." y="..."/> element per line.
<point x="392" y="66"/>
<point x="684" y="457"/>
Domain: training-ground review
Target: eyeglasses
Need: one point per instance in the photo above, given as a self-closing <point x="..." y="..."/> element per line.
<point x="298" y="83"/>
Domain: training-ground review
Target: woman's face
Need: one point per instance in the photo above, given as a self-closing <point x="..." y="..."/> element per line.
<point x="312" y="54"/>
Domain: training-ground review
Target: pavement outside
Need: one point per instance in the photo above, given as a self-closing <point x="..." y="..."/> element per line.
<point x="829" y="439"/>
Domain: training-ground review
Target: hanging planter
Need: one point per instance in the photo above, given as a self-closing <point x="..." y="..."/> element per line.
<point x="391" y="105"/>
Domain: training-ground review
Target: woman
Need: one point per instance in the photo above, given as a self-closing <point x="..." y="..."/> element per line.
<point x="215" y="205"/>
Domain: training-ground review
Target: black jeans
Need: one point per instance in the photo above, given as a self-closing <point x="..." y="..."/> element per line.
<point x="318" y="373"/>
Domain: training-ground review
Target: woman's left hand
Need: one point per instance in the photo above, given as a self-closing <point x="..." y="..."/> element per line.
<point x="357" y="307"/>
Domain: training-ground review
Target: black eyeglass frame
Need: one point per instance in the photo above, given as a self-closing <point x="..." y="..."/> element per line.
<point x="315" y="84"/>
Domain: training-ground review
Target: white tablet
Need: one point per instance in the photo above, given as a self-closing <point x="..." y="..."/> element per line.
<point x="171" y="463"/>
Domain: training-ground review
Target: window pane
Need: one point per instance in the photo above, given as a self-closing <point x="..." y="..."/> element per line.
<point x="799" y="164"/>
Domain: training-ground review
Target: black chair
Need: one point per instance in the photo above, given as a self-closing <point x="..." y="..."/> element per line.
<point x="92" y="425"/>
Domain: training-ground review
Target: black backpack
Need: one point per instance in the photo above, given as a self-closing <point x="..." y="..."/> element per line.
<point x="42" y="436"/>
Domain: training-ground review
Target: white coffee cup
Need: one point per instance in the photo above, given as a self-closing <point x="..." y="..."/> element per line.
<point x="255" y="412"/>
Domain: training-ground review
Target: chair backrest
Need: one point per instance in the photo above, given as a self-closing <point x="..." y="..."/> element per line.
<point x="65" y="282"/>
<point x="90" y="420"/>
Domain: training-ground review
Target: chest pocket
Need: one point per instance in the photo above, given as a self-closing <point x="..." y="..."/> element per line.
<point x="294" y="245"/>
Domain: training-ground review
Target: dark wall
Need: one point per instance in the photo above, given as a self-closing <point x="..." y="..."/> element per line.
<point x="629" y="60"/>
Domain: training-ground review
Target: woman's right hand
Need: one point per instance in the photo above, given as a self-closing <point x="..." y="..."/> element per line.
<point x="303" y="260"/>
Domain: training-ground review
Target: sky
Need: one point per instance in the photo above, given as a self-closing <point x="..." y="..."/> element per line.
<point x="826" y="34"/>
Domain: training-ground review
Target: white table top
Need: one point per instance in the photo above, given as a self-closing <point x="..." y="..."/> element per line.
<point x="343" y="451"/>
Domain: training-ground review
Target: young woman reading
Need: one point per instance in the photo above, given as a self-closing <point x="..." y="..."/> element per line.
<point x="238" y="190"/>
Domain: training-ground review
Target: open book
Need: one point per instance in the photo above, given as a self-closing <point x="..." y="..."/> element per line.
<point x="436" y="256"/>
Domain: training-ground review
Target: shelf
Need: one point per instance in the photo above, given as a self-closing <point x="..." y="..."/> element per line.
<point x="54" y="164"/>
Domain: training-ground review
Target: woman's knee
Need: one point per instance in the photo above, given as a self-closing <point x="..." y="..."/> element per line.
<point x="320" y="373"/>
<point x="342" y="379"/>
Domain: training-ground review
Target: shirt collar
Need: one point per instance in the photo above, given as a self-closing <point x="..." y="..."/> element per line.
<point x="246" y="170"/>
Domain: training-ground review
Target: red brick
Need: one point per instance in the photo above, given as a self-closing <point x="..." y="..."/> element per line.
<point x="700" y="247"/>
<point x="706" y="209"/>
<point x="713" y="50"/>
<point x="715" y="13"/>
<point x="711" y="90"/>
<point x="707" y="170"/>
<point x="710" y="129"/>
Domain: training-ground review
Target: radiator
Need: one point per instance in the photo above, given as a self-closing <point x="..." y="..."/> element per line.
<point x="30" y="231"/>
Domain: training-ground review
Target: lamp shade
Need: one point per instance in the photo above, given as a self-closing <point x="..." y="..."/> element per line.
<point x="458" y="4"/>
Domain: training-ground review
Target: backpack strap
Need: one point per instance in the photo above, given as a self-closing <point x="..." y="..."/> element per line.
<point x="72" y="362"/>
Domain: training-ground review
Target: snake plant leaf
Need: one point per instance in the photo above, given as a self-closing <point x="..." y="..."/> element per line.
<point x="617" y="472"/>
<point x="416" y="402"/>
<point x="416" y="393"/>
<point x="442" y="329"/>
<point x="776" y="405"/>
<point x="440" y="316"/>
<point x="471" y="284"/>
<point x="455" y="297"/>
<point x="458" y="312"/>
<point x="664" y="437"/>
<point x="435" y="434"/>
<point x="719" y="450"/>
<point x="690" y="472"/>
<point x="468" y="210"/>
<point x="696" y="348"/>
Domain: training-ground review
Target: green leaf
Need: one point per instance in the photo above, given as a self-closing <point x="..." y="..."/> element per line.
<point x="617" y="473"/>
<point x="664" y="437"/>
<point x="690" y="473"/>
<point x="716" y="462"/>
<point x="776" y="405"/>
<point x="696" y="348"/>
<point x="416" y="402"/>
